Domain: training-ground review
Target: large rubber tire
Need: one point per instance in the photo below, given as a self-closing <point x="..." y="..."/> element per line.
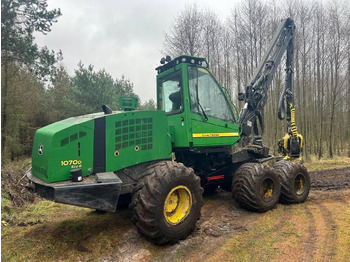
<point x="295" y="181"/>
<point x="256" y="187"/>
<point x="167" y="202"/>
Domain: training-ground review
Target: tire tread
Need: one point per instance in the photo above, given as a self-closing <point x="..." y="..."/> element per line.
<point x="146" y="199"/>
<point x="246" y="183"/>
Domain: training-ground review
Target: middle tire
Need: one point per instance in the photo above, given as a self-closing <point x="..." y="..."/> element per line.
<point x="167" y="202"/>
<point x="256" y="187"/>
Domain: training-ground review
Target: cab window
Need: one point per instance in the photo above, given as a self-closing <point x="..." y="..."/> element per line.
<point x="206" y="94"/>
<point x="170" y="93"/>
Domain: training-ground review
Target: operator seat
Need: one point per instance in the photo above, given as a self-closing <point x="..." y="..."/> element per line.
<point x="175" y="98"/>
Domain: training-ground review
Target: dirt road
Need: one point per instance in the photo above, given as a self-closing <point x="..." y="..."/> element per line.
<point x="317" y="230"/>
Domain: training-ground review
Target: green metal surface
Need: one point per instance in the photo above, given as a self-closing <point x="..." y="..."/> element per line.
<point x="136" y="137"/>
<point x="131" y="138"/>
<point x="63" y="146"/>
<point x="213" y="132"/>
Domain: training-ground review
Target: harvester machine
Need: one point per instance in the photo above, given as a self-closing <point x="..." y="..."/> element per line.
<point x="160" y="162"/>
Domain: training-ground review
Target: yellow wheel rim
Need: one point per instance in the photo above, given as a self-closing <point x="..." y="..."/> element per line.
<point x="177" y="205"/>
<point x="299" y="185"/>
<point x="266" y="189"/>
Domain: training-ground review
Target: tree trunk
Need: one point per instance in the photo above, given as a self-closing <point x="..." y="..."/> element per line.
<point x="4" y="110"/>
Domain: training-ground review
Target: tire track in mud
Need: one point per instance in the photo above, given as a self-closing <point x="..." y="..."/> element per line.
<point x="338" y="206"/>
<point x="285" y="214"/>
<point x="317" y="227"/>
<point x="255" y="225"/>
<point x="331" y="238"/>
<point x="344" y="238"/>
<point x="282" y="231"/>
<point x="311" y="240"/>
<point x="220" y="215"/>
<point x="322" y="241"/>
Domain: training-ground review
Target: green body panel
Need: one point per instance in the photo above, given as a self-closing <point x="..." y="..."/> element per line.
<point x="130" y="138"/>
<point x="136" y="137"/>
<point x="181" y="125"/>
<point x="213" y="132"/>
<point x="65" y="145"/>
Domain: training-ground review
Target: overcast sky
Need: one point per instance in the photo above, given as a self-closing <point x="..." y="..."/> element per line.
<point x="124" y="37"/>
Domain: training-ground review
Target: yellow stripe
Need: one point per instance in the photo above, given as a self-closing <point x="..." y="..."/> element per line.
<point x="203" y="135"/>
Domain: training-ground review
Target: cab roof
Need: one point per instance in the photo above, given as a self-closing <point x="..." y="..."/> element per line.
<point x="201" y="61"/>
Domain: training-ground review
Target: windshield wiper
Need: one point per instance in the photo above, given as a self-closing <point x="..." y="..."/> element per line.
<point x="199" y="104"/>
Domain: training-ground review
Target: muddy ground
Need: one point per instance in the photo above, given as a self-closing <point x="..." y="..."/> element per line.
<point x="317" y="230"/>
<point x="334" y="179"/>
<point x="222" y="220"/>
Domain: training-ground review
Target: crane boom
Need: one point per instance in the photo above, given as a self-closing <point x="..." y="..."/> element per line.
<point x="256" y="93"/>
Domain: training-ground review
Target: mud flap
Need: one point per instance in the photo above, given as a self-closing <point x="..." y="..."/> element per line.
<point x="101" y="194"/>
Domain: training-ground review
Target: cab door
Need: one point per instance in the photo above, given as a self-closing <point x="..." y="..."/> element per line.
<point x="170" y="97"/>
<point x="212" y="118"/>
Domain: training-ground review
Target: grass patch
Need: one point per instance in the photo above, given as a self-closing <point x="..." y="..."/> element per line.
<point x="47" y="231"/>
<point x="314" y="164"/>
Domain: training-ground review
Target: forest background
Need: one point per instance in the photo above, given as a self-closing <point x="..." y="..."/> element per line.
<point x="36" y="90"/>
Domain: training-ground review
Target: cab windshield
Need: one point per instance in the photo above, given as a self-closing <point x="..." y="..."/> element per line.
<point x="206" y="95"/>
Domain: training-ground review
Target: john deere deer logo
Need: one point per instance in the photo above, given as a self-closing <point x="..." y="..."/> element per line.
<point x="41" y="149"/>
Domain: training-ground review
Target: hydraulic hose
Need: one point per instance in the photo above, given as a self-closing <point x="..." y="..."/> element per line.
<point x="281" y="107"/>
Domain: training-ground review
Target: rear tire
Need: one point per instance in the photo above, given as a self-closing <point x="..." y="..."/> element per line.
<point x="167" y="202"/>
<point x="295" y="181"/>
<point x="256" y="187"/>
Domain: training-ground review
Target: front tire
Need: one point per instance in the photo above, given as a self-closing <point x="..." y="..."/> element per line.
<point x="167" y="202"/>
<point x="256" y="187"/>
<point x="295" y="182"/>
